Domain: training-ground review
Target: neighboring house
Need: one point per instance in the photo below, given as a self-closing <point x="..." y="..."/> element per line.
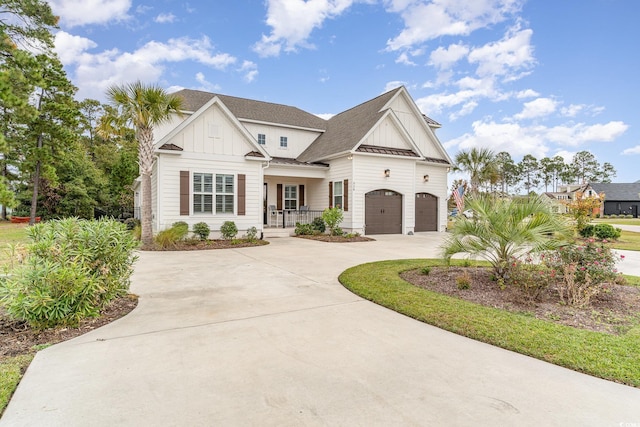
<point x="558" y="201"/>
<point x="619" y="198"/>
<point x="268" y="165"/>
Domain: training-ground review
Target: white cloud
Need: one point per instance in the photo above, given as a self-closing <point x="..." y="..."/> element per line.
<point x="527" y="93"/>
<point x="77" y="13"/>
<point x="580" y="133"/>
<point x="566" y="155"/>
<point x="292" y="22"/>
<point x="393" y="84"/>
<point x="445" y="58"/>
<point x="510" y="137"/>
<point x="206" y="85"/>
<point x="537" y="108"/>
<point x="164" y="18"/>
<point x="70" y="48"/>
<point x="94" y="72"/>
<point x="505" y="57"/>
<point x="632" y="150"/>
<point x="250" y="70"/>
<point x="425" y="21"/>
<point x="537" y="140"/>
<point x="404" y="59"/>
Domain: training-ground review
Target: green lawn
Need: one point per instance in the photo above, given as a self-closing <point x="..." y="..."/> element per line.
<point x="11" y="368"/>
<point x="619" y="221"/>
<point x="606" y="356"/>
<point x="628" y="240"/>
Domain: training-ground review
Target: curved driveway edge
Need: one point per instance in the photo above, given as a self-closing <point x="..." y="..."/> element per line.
<point x="267" y="336"/>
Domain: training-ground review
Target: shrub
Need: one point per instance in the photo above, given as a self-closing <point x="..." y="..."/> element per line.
<point x="73" y="269"/>
<point x="606" y="231"/>
<point x="304" y="229"/>
<point x="318" y="225"/>
<point x="333" y="217"/>
<point x="531" y="278"/>
<point x="181" y="227"/>
<point x="588" y="230"/>
<point x="228" y="230"/>
<point x="131" y="223"/>
<point x="464" y="280"/>
<point x="582" y="270"/>
<point x="426" y="270"/>
<point x="201" y="230"/>
<point x="252" y="234"/>
<point x="628" y="216"/>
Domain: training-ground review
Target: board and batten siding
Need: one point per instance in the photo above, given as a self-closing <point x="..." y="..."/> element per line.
<point x="171" y="167"/>
<point x="369" y="175"/>
<point x="424" y="139"/>
<point x="154" y="198"/>
<point x="213" y="132"/>
<point x="387" y="134"/>
<point x="340" y="169"/>
<point x="437" y="186"/>
<point x="298" y="140"/>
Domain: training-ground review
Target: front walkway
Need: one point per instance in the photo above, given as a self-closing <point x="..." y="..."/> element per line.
<point x="267" y="336"/>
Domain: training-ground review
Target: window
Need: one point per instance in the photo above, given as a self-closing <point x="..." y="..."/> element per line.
<point x="262" y="139"/>
<point x="337" y="194"/>
<point x="291" y="197"/>
<point x="283" y="142"/>
<point x="202" y="193"/>
<point x="224" y="194"/>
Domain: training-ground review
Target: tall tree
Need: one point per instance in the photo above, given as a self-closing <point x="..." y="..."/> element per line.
<point x="143" y="107"/>
<point x="607" y="172"/>
<point x="550" y="170"/>
<point x="479" y="163"/>
<point x="507" y="171"/>
<point x="586" y="167"/>
<point x="529" y="172"/>
<point x="53" y="131"/>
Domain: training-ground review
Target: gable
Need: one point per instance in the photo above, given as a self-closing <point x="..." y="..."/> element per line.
<point x="415" y="124"/>
<point x="212" y="130"/>
<point x="387" y="134"/>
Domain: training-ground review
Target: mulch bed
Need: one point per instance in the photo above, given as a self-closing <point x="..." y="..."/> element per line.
<point x="337" y="239"/>
<point x="18" y="338"/>
<point x="198" y="245"/>
<point x="614" y="311"/>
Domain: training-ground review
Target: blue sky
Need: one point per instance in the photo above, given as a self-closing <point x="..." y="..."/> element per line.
<point x="541" y="77"/>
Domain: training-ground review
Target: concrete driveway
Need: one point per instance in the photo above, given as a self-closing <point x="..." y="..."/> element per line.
<point x="267" y="336"/>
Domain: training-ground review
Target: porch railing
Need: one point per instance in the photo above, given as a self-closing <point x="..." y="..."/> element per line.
<point x="284" y="218"/>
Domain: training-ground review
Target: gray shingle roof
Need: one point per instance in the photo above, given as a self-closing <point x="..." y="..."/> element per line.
<point x="346" y="129"/>
<point x="254" y="110"/>
<point x="618" y="191"/>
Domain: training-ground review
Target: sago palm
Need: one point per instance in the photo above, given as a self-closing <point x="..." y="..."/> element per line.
<point x="502" y="228"/>
<point x="142" y="107"/>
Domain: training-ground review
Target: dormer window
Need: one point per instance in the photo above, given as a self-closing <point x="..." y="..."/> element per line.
<point x="262" y="139"/>
<point x="283" y="142"/>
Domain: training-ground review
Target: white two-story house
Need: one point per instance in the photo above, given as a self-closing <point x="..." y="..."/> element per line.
<point x="264" y="165"/>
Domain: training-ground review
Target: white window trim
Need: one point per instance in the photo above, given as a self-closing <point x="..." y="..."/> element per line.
<point x="284" y="139"/>
<point x="284" y="196"/>
<point x="233" y="194"/>
<point x="264" y="139"/>
<point x="341" y="195"/>
<point x="214" y="194"/>
<point x="195" y="193"/>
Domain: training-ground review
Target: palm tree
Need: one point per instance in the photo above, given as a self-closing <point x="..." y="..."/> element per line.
<point x="503" y="228"/>
<point x="142" y="107"/>
<point x="479" y="163"/>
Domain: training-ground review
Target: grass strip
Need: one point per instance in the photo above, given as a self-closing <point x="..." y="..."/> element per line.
<point x="11" y="371"/>
<point x="601" y="355"/>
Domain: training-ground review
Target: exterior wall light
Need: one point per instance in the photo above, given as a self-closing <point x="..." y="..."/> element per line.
<point x="387" y="173"/>
<point x="426" y="178"/>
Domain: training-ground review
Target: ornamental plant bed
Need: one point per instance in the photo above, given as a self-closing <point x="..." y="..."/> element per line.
<point x="196" y="245"/>
<point x="614" y="311"/>
<point x="17" y="338"/>
<point x="336" y="239"/>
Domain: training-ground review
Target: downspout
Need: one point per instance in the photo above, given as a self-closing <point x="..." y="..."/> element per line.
<point x="265" y="165"/>
<point x="157" y="219"/>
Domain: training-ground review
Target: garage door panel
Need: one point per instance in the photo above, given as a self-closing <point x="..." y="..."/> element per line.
<point x="383" y="212"/>
<point x="426" y="212"/>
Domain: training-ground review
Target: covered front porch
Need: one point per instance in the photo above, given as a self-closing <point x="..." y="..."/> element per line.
<point x="293" y="193"/>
